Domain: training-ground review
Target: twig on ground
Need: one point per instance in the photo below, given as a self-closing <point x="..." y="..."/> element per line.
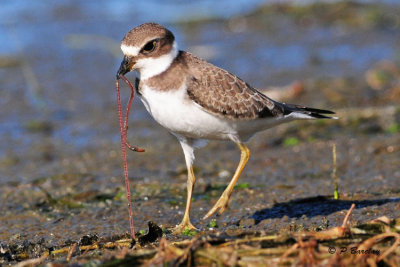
<point x="71" y="251"/>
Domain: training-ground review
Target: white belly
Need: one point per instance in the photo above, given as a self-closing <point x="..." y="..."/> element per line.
<point x="180" y="115"/>
<point x="177" y="113"/>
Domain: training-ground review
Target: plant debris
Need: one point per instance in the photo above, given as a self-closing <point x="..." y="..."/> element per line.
<point x="337" y="246"/>
<point x="154" y="233"/>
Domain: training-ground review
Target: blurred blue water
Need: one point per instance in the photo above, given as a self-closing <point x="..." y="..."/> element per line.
<point x="76" y="77"/>
<point x="11" y="11"/>
<point x="120" y="10"/>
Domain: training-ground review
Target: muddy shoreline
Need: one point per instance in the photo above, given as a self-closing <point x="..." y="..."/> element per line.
<point x="60" y="164"/>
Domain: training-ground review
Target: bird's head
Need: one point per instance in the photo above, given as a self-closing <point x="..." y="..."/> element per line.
<point x="149" y="48"/>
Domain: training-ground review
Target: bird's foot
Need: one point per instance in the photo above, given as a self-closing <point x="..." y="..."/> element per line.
<point x="184" y="225"/>
<point x="221" y="205"/>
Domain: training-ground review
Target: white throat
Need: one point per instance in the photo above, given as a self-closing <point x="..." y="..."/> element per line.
<point x="149" y="67"/>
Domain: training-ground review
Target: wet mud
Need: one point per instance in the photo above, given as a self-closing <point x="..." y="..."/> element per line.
<point x="61" y="179"/>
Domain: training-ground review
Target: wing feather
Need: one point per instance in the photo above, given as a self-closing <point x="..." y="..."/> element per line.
<point x="224" y="94"/>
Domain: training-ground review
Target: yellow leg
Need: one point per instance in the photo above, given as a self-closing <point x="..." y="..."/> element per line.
<point x="222" y="202"/>
<point x="186" y="221"/>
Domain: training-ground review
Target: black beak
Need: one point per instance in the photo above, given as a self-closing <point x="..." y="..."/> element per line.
<point x="124" y="68"/>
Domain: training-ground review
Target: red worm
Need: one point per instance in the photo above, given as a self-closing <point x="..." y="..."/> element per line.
<point x="124" y="143"/>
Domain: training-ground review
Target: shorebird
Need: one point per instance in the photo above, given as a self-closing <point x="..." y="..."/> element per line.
<point x="195" y="100"/>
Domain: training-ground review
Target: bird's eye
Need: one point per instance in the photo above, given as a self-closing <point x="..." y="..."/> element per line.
<point x="150" y="46"/>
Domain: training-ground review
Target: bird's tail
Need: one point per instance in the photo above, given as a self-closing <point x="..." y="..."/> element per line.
<point x="300" y="112"/>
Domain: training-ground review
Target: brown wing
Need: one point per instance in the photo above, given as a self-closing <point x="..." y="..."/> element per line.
<point x="222" y="93"/>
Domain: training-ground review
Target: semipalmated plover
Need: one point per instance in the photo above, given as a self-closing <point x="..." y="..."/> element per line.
<point x="196" y="100"/>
